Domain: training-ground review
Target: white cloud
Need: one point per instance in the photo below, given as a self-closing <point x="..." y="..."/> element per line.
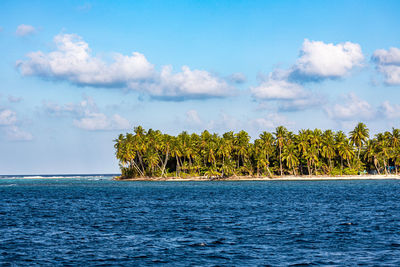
<point x="319" y="60"/>
<point x="351" y="107"/>
<point x="72" y="61"/>
<point x="192" y="118"/>
<point x="8" y="123"/>
<point x="14" y="133"/>
<point x="309" y="101"/>
<point x="277" y="89"/>
<point x="87" y="115"/>
<point x="24" y="30"/>
<point x="387" y="57"/>
<point x="98" y="121"/>
<point x="388" y="63"/>
<point x="225" y="123"/>
<point x="271" y="121"/>
<point x="188" y="84"/>
<point x="8" y="117"/>
<point x="390" y="111"/>
<point x="79" y="109"/>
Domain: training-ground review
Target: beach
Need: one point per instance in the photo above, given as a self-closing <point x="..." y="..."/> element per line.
<point x="255" y="178"/>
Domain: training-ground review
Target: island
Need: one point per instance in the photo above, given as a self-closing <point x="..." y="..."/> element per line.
<point x="280" y="155"/>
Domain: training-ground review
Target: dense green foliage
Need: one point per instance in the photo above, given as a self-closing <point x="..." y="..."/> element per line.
<point x="309" y="152"/>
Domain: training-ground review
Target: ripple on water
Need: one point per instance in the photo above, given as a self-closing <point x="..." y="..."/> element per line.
<point x="103" y="222"/>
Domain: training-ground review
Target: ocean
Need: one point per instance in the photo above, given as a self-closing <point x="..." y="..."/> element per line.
<point x="93" y="220"/>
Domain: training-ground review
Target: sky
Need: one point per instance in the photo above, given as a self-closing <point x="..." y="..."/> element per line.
<point x="76" y="74"/>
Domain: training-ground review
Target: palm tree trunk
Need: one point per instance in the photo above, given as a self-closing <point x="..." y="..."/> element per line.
<point x="133" y="163"/>
<point x="384" y="162"/>
<point x="177" y="166"/>
<point x="223" y="165"/>
<point x="269" y="172"/>
<point x="280" y="160"/>
<point x="376" y="166"/>
<point x="341" y="165"/>
<point x="141" y="162"/>
<point x="165" y="163"/>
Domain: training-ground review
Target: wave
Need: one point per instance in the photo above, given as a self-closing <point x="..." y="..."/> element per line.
<point x="60" y="176"/>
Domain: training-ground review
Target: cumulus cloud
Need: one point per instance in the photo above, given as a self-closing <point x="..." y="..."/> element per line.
<point x="24" y="30"/>
<point x="14" y="133"/>
<point x="351" y="107"/>
<point x="269" y="122"/>
<point x="224" y="122"/>
<point x="8" y="124"/>
<point x="388" y="63"/>
<point x="7" y="117"/>
<point x="290" y="96"/>
<point x="99" y="121"/>
<point x="390" y="111"/>
<point x="76" y="109"/>
<point x="188" y="84"/>
<point x="193" y="118"/>
<point x="73" y="61"/>
<point x="309" y="101"/>
<point x="319" y="60"/>
<point x="87" y="115"/>
<point x="275" y="89"/>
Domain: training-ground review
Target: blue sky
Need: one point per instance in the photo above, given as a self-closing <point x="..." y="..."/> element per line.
<point x="75" y="74"/>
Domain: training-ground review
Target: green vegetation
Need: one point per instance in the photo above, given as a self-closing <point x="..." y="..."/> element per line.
<point x="310" y="152"/>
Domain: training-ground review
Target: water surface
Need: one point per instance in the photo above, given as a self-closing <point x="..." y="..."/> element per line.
<point x="99" y="221"/>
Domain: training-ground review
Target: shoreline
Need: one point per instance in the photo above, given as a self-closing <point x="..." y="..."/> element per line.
<point x="253" y="178"/>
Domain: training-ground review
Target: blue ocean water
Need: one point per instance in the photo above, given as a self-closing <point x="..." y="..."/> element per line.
<point x="97" y="221"/>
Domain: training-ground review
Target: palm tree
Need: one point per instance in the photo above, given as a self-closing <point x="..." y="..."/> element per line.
<point x="290" y="156"/>
<point x="358" y="136"/>
<point x="149" y="153"/>
<point x="328" y="147"/>
<point x="346" y="152"/>
<point x="303" y="147"/>
<point x="280" y="135"/>
<point x="241" y="143"/>
<point x="267" y="148"/>
<point x="371" y="154"/>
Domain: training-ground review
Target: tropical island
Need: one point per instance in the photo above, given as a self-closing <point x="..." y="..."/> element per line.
<point x="152" y="155"/>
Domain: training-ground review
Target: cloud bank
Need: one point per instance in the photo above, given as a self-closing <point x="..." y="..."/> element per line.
<point x="318" y="61"/>
<point x="72" y="61"/>
<point x="351" y="107"/>
<point x="8" y="123"/>
<point x="388" y="63"/>
<point x="86" y="116"/>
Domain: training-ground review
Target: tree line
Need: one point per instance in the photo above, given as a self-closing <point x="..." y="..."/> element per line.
<point x="309" y="152"/>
